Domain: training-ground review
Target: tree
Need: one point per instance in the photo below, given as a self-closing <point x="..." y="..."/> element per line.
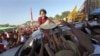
<point x="51" y="18"/>
<point x="57" y="17"/>
<point x="65" y="14"/>
<point x="27" y="23"/>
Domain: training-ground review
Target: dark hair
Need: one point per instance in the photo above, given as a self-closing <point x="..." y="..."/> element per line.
<point x="43" y="10"/>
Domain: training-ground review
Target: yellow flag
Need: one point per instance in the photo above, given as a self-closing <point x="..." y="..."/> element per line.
<point x="73" y="14"/>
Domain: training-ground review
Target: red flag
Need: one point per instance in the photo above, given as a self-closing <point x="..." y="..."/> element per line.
<point x="31" y="14"/>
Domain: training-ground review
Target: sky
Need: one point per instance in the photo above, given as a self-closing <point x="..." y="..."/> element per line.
<point x="17" y="12"/>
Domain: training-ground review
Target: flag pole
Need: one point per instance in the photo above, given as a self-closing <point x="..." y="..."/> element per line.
<point x="31" y="16"/>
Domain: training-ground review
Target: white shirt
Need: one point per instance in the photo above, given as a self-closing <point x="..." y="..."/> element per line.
<point x="5" y="43"/>
<point x="23" y="39"/>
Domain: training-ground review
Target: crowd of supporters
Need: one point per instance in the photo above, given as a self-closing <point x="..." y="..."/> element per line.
<point x="14" y="37"/>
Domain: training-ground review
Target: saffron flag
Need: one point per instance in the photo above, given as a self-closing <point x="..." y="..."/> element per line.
<point x="73" y="14"/>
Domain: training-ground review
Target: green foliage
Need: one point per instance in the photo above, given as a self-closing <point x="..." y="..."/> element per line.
<point x="51" y="18"/>
<point x="63" y="15"/>
<point x="57" y="17"/>
<point x="29" y="23"/>
<point x="7" y="25"/>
